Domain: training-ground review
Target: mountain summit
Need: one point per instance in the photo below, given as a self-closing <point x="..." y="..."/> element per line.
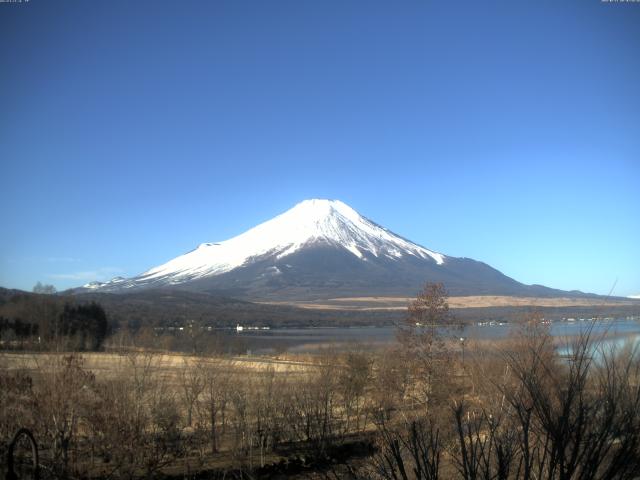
<point x="309" y="223"/>
<point x="319" y="248"/>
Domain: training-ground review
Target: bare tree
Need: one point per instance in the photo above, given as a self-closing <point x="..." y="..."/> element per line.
<point x="60" y="396"/>
<point x="575" y="414"/>
<point x="424" y="347"/>
<point x="16" y="407"/>
<point x="487" y="444"/>
<point x="44" y="289"/>
<point x="353" y="380"/>
<point x="214" y="399"/>
<point x="390" y="383"/>
<point x="314" y="398"/>
<point x="409" y="453"/>
<point x="192" y="383"/>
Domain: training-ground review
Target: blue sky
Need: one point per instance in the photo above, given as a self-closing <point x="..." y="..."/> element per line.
<point x="508" y="132"/>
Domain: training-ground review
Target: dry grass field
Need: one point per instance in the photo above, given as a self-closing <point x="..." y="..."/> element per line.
<point x="156" y="411"/>
<point x="143" y="414"/>
<point x="169" y="364"/>
<point x="477" y="301"/>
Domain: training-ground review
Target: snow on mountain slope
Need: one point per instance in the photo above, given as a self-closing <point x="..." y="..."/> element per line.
<point x="320" y="249"/>
<point x="309" y="222"/>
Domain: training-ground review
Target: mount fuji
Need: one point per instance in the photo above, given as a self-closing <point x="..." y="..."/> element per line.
<point x="320" y="249"/>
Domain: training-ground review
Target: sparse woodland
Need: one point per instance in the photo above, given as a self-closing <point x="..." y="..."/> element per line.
<point x="419" y="410"/>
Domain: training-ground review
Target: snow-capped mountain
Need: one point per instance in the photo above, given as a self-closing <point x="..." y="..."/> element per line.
<point x="318" y="248"/>
<point x="310" y="222"/>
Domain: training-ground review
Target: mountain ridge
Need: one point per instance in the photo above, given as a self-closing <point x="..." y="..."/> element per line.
<point x="320" y="249"/>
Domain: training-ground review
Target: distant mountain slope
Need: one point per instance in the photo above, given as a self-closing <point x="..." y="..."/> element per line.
<point x="320" y="249"/>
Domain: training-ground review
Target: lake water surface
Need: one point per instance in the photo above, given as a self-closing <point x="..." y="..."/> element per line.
<point x="614" y="331"/>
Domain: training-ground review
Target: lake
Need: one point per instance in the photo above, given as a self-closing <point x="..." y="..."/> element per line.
<point x="304" y="340"/>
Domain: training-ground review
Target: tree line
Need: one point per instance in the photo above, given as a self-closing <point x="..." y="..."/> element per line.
<point x="51" y="322"/>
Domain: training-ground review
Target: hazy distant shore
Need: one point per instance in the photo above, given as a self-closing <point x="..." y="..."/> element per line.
<point x="475" y="301"/>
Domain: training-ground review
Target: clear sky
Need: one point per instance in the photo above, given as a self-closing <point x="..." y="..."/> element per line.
<point x="508" y="132"/>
